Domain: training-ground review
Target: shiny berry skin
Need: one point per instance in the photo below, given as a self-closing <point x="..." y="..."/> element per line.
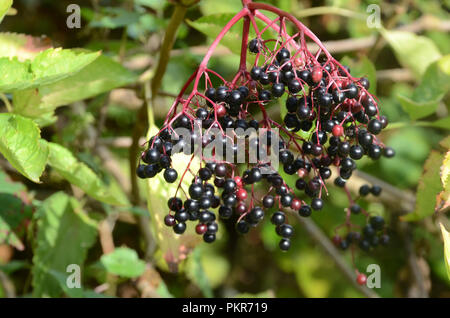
<point x="286" y="200"/>
<point x="317" y="204"/>
<point x="364" y="82"/>
<point x="337" y="130"/>
<point x="242" y="227"/>
<point x="196" y="191"/>
<point x="388" y="152"/>
<point x="220" y="170"/>
<point x="169" y="220"/>
<point x="140" y="171"/>
<point x="181" y="216"/>
<point x="278" y="218"/>
<point x="256" y="72"/>
<point x="268" y="201"/>
<point x="209" y="238"/>
<point x="175" y="204"/>
<point x="201" y="229"/>
<point x="356" y="152"/>
<point x="265" y="95"/>
<point x="361" y="279"/>
<point x="229" y="186"/>
<point x="254" y="45"/>
<point x="152" y="156"/>
<point x="170" y="175"/>
<point x="283" y="54"/>
<point x="305" y="211"/>
<point x="294" y="86"/>
<point x="278" y="89"/>
<point x="285" y="244"/>
<point x="285" y="230"/>
<point x="241" y="194"/>
<point x="374" y="126"/>
<point x="179" y="228"/>
<point x="205" y="174"/>
<point x="296" y="204"/>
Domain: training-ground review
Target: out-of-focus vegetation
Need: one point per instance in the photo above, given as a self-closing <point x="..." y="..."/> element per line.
<point x="66" y="125"/>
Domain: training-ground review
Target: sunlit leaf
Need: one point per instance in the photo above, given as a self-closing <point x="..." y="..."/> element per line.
<point x="4" y="7"/>
<point x="21" y="45"/>
<point x="47" y="67"/>
<point x="123" y="262"/>
<point x="412" y="51"/>
<point x="103" y="75"/>
<point x="79" y="174"/>
<point x="21" y="145"/>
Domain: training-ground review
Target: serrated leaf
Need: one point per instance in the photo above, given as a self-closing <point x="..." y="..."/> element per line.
<point x="64" y="235"/>
<point x="428" y="189"/>
<point x="363" y="68"/>
<point x="446" y="238"/>
<point x="22" y="46"/>
<point x="21" y="145"/>
<point x="434" y="86"/>
<point x="77" y="173"/>
<point x="412" y="51"/>
<point x="124" y="262"/>
<point x="4" y="7"/>
<point x="103" y="75"/>
<point x="47" y="67"/>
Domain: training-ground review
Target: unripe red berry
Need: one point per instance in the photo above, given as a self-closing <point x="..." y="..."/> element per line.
<point x="221" y="111"/>
<point x="338" y="130"/>
<point x="361" y="279"/>
<point x="296" y="204"/>
<point x="201" y="229"/>
<point x="169" y="220"/>
<point x="316" y="74"/>
<point x="241" y="194"/>
<point x="238" y="181"/>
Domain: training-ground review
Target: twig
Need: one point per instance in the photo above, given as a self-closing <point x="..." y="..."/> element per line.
<point x="318" y="236"/>
<point x="8" y="286"/>
<point x="395" y="75"/>
<point x="6" y="102"/>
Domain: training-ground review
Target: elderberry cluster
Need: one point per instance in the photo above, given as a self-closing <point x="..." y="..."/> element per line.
<point x="336" y="113"/>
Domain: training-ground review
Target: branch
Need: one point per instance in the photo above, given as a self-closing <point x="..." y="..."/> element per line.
<point x="319" y="237"/>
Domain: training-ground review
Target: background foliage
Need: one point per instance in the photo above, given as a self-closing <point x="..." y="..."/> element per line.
<point x="71" y="99"/>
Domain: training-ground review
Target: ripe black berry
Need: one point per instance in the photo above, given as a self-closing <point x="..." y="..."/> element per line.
<point x="170" y="175"/>
<point x="179" y="228"/>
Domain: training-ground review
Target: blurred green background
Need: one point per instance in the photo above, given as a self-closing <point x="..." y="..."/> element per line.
<point x="408" y="63"/>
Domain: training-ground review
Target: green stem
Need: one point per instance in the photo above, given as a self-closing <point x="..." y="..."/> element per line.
<point x="6" y="102"/>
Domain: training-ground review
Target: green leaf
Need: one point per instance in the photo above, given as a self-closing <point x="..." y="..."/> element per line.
<point x="47" y="67"/>
<point x="428" y="189"/>
<point x="363" y="68"/>
<point x="124" y="262"/>
<point x="4" y="7"/>
<point x="77" y="173"/>
<point x="61" y="278"/>
<point x="103" y="75"/>
<point x="427" y="96"/>
<point x="113" y="18"/>
<point x="412" y="51"/>
<point x="446" y="238"/>
<point x="13" y="216"/>
<point x="21" y="145"/>
<point x="8" y="186"/>
<point x="22" y="46"/>
<point x="196" y="273"/>
<point x="64" y="235"/>
<point x="265" y="294"/>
